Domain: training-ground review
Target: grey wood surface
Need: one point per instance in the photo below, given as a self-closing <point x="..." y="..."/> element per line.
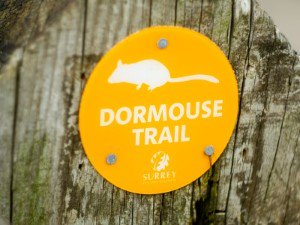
<point x="47" y="51"/>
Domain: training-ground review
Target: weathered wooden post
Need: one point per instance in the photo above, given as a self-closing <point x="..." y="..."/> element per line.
<point x="48" y="49"/>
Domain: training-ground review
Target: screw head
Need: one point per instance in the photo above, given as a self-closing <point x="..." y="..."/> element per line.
<point x="162" y="43"/>
<point x="111" y="159"/>
<point x="209" y="150"/>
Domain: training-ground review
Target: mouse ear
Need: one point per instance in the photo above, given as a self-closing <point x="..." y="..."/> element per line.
<point x="120" y="63"/>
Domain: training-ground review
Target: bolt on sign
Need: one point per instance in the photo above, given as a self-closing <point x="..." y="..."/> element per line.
<point x="158" y="110"/>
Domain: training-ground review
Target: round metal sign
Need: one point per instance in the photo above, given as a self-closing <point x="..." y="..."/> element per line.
<point x="158" y="109"/>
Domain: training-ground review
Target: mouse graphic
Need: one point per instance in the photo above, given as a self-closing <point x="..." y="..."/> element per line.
<point x="150" y="72"/>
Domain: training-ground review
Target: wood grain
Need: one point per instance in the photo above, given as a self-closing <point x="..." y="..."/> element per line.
<point x="45" y="175"/>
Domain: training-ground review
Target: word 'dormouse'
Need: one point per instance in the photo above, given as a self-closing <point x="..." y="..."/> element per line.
<point x="175" y="112"/>
<point x="150" y="72"/>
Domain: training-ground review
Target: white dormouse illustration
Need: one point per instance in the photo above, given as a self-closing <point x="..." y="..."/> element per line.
<point x="151" y="72"/>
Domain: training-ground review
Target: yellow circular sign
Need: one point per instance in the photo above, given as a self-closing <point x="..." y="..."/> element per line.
<point x="156" y="105"/>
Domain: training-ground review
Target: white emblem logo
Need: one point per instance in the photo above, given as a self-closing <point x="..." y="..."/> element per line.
<point x="150" y="72"/>
<point x="160" y="160"/>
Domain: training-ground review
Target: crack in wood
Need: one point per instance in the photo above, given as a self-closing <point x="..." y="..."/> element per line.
<point x="15" y="114"/>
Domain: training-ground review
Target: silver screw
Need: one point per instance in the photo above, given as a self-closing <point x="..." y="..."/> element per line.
<point x="162" y="43"/>
<point x="209" y="150"/>
<point x="111" y="159"/>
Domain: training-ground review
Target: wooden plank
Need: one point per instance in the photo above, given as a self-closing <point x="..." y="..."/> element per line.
<point x="19" y="22"/>
<point x="41" y="117"/>
<point x="256" y="180"/>
<point x="267" y="72"/>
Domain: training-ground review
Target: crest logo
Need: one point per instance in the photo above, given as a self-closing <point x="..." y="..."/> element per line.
<point x="160" y="161"/>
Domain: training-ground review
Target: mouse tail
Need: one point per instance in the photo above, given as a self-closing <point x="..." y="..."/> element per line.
<point x="204" y="77"/>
